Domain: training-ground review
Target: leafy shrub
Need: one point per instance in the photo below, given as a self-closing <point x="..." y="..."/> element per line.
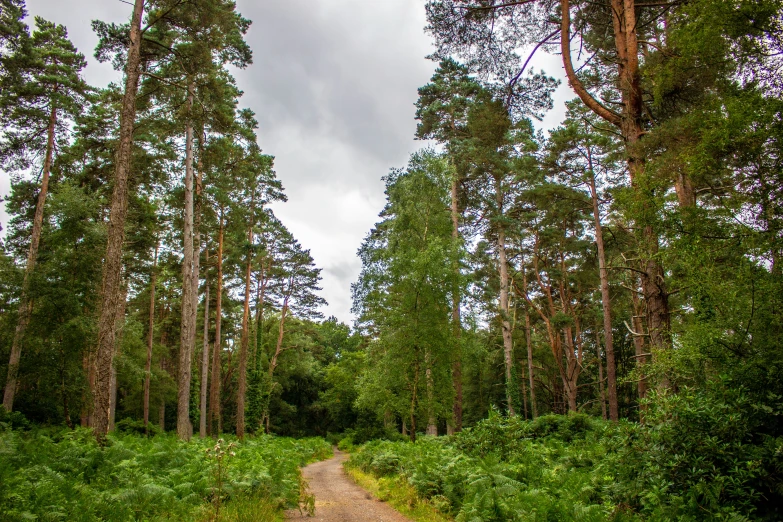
<point x="700" y="455"/>
<point x="13" y="420"/>
<point x="136" y="427"/>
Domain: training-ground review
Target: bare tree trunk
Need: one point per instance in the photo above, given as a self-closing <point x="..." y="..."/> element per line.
<point x="215" y="384"/>
<point x="280" y="332"/>
<point x="432" y="426"/>
<point x="111" y="291"/>
<point x="414" y="398"/>
<point x="113" y="382"/>
<point x="25" y="303"/>
<point x="242" y="385"/>
<point x="162" y="406"/>
<point x="197" y="203"/>
<point x="508" y="347"/>
<point x="530" y="363"/>
<point x="87" y="366"/>
<point x="184" y="427"/>
<point x="456" y="320"/>
<point x="611" y="368"/>
<point x="599" y="360"/>
<point x="638" y="340"/>
<point x="202" y="427"/>
<point x="150" y="334"/>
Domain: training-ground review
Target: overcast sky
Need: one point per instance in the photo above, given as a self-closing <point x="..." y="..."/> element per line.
<point x="333" y="84"/>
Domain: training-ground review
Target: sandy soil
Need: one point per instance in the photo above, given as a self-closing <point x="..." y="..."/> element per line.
<point x="338" y="499"/>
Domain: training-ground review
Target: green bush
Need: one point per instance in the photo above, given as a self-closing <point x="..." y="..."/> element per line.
<point x="137" y="427"/>
<point x="701" y="454"/>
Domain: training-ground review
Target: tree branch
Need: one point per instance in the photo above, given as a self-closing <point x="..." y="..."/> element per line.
<point x="575" y="83"/>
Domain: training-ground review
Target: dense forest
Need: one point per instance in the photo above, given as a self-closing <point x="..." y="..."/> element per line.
<point x="588" y="319"/>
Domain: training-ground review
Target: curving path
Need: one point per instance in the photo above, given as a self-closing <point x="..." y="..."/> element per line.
<point x="338" y="499"/>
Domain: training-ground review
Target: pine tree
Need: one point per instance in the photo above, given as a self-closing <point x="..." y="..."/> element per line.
<point x="36" y="111"/>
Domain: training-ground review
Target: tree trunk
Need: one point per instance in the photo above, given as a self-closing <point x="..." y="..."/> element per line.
<point x="242" y="385"/>
<point x="112" y="267"/>
<point x="638" y="341"/>
<point x="113" y="381"/>
<point x="611" y="376"/>
<point x="432" y="426"/>
<point x="529" y="342"/>
<point x="188" y="327"/>
<point x="214" y="402"/>
<point x="150" y="333"/>
<point x="197" y="203"/>
<point x="202" y="426"/>
<point x="87" y="366"/>
<point x="414" y="397"/>
<point x="162" y="406"/>
<point x="570" y="383"/>
<point x="630" y="125"/>
<point x="456" y="320"/>
<point x="280" y="332"/>
<point x="599" y="360"/>
<point x="25" y="303"/>
<point x="508" y="348"/>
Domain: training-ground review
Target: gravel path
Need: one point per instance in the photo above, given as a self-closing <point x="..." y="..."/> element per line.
<point x="338" y="499"/>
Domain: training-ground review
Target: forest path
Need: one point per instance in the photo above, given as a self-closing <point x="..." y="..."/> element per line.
<point x="338" y="499"/>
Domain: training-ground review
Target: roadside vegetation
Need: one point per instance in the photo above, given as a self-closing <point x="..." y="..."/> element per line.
<point x="696" y="461"/>
<point x="61" y="474"/>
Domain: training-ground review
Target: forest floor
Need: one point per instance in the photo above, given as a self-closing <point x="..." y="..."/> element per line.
<point x="338" y="499"/>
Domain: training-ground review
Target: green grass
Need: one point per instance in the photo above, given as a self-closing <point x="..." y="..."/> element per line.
<point x="399" y="494"/>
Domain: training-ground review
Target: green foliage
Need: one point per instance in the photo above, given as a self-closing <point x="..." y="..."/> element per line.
<point x="60" y="474"/>
<point x="702" y="453"/>
<point x="697" y="456"/>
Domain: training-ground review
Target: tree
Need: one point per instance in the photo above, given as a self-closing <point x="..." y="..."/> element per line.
<point x="403" y="296"/>
<point x="36" y="111"/>
<point x="111" y="283"/>
<point x="442" y="111"/>
<point x="578" y="152"/>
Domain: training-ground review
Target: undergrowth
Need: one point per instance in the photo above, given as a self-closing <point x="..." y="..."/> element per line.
<point x="399" y="494"/>
<point x="48" y="474"/>
<point x="692" y="463"/>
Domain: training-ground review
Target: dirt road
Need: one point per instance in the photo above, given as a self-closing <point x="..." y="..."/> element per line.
<point x="338" y="499"/>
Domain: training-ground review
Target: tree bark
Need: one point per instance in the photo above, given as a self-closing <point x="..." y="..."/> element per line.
<point x="243" y="349"/>
<point x="606" y="305"/>
<point x="599" y="360"/>
<point x="638" y="340"/>
<point x="529" y="342"/>
<point x="508" y="347"/>
<point x="25" y="303"/>
<point x="113" y="381"/>
<point x="280" y="332"/>
<point x="456" y="320"/>
<point x="202" y="427"/>
<point x="197" y="203"/>
<point x="432" y="426"/>
<point x="150" y="334"/>
<point x="111" y="291"/>
<point x="162" y="405"/>
<point x="187" y="332"/>
<point x="214" y="402"/>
